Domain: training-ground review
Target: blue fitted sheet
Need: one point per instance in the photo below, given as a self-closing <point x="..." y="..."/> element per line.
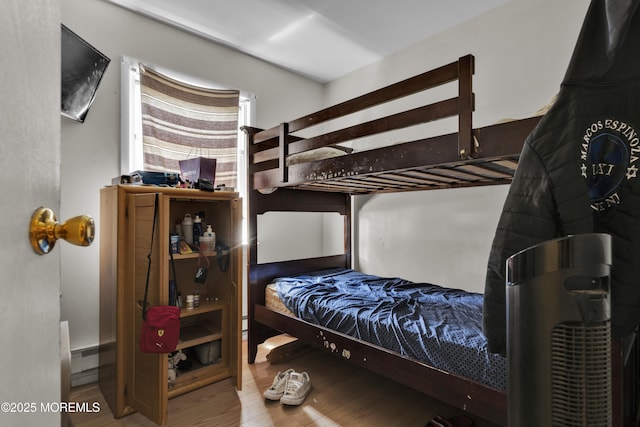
<point x="439" y="326"/>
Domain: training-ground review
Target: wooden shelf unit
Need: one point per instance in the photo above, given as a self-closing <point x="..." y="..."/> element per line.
<point x="129" y="379"/>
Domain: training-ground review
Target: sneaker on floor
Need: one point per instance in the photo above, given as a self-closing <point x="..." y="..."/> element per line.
<point x="276" y="390"/>
<point x="298" y="386"/>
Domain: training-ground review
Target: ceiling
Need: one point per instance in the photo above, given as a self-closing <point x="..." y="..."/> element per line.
<point x="320" y="39"/>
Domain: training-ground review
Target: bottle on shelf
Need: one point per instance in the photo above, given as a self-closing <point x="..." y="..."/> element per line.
<point x="174" y="243"/>
<point x="208" y="240"/>
<point x="187" y="228"/>
<point x="210" y="233"/>
<point x="197" y="230"/>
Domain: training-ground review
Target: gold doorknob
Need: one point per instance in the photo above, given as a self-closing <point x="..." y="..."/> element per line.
<point x="45" y="230"/>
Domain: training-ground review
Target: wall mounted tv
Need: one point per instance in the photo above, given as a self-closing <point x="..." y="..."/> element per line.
<point x="82" y="69"/>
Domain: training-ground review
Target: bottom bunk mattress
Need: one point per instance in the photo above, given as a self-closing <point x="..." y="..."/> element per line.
<point x="438" y="326"/>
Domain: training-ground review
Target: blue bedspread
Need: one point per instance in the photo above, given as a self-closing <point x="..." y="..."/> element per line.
<point x="439" y="326"/>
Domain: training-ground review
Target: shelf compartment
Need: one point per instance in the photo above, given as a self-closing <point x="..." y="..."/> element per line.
<point x="195" y="334"/>
<point x="198" y="377"/>
<point x="205" y="307"/>
<point x="177" y="257"/>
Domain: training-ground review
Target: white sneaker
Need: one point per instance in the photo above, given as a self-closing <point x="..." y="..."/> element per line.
<point x="298" y="386"/>
<point x="276" y="390"/>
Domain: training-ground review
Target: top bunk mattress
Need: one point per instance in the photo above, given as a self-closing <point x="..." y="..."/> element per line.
<point x="438" y="326"/>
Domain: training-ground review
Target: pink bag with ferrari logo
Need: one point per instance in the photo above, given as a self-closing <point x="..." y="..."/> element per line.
<point x="160" y="329"/>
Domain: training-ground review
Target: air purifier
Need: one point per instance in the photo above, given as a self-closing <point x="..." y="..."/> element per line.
<point x="558" y="333"/>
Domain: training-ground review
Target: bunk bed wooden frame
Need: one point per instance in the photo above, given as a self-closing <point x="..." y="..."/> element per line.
<point x="468" y="157"/>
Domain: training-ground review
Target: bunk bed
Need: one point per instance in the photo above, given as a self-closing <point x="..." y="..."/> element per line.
<point x="467" y="157"/>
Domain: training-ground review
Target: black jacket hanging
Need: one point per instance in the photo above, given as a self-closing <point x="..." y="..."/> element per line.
<point x="578" y="168"/>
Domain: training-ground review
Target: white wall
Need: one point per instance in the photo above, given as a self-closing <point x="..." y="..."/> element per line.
<point x="437" y="236"/>
<point x="286" y="236"/>
<point x="289" y="235"/>
<point x="30" y="163"/>
<point x="91" y="150"/>
<point x="522" y="50"/>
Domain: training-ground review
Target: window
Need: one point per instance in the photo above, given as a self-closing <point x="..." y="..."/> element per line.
<point x="131" y="145"/>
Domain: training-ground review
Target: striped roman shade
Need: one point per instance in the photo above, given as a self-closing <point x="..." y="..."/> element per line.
<point x="181" y="121"/>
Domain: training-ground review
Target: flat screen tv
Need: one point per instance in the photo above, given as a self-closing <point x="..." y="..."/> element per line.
<point x="82" y="69"/>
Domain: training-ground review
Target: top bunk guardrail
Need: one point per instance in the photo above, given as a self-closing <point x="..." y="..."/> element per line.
<point x="469" y="157"/>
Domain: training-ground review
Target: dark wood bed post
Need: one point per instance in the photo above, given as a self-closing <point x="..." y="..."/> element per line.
<point x="467" y="149"/>
<point x="253" y="326"/>
<point x="285" y="200"/>
<point x="249" y="133"/>
<point x="283" y="151"/>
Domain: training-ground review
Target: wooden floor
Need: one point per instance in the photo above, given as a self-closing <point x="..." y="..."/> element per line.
<point x="341" y="395"/>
